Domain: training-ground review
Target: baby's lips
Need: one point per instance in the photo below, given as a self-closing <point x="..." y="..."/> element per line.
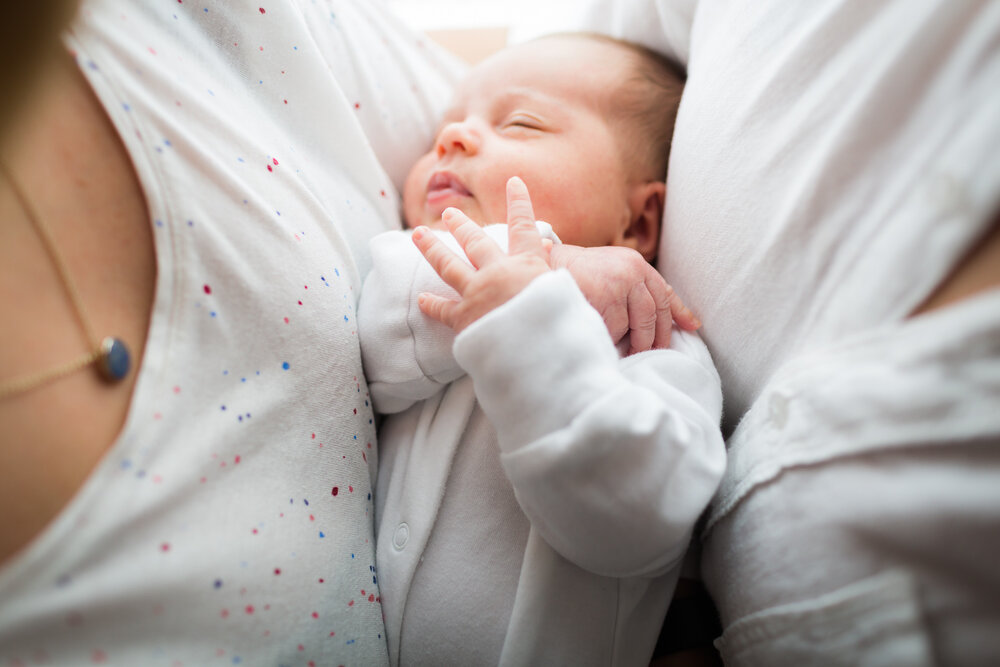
<point x="446" y="182"/>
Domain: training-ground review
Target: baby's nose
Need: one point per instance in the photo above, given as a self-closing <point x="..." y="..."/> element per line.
<point x="457" y="137"/>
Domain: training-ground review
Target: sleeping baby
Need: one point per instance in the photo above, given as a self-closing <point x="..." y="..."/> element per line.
<point x="537" y="490"/>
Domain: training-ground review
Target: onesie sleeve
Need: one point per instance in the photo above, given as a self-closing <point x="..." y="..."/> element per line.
<point x="612" y="460"/>
<point x="408" y="356"/>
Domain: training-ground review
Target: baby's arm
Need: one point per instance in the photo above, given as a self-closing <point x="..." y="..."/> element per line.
<point x="406" y="356"/>
<point x="612" y="460"/>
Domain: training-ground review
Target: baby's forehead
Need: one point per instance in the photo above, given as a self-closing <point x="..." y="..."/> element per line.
<point x="554" y="70"/>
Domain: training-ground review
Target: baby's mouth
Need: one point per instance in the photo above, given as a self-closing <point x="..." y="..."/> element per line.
<point x="444" y="184"/>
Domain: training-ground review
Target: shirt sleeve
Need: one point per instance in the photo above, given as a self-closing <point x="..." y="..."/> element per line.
<point x="408" y="356"/>
<point x="612" y="460"/>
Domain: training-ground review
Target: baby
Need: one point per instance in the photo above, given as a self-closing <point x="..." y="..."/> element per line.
<point x="536" y="492"/>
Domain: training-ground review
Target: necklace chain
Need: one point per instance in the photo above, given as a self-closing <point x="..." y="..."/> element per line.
<point x="110" y="352"/>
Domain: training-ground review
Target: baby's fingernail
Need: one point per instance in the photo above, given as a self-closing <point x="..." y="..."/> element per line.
<point x="418" y="233"/>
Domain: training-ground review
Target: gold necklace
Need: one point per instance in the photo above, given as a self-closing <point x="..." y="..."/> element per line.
<point x="110" y="355"/>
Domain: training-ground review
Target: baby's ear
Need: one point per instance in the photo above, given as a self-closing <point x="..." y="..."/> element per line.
<point x="645" y="214"/>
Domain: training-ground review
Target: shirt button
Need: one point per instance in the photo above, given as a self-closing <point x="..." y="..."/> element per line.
<point x="779" y="410"/>
<point x="400" y="537"/>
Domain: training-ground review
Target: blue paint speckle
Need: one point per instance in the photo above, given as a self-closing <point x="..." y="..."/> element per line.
<point x="285" y="365"/>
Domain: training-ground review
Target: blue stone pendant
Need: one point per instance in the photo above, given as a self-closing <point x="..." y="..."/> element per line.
<point x="114" y="362"/>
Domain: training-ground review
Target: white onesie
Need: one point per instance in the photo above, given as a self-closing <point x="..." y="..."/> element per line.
<point x="557" y="536"/>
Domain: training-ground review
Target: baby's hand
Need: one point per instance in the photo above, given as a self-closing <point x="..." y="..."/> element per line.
<point x="494" y="277"/>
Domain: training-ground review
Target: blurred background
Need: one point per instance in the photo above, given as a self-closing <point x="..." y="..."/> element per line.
<point x="473" y="29"/>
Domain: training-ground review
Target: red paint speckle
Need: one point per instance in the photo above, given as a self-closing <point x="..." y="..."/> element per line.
<point x="322" y="581"/>
<point x="335" y="491"/>
<point x="313" y="436"/>
<point x="371" y="597"/>
<point x="177" y="390"/>
<point x="237" y="459"/>
<point x="277" y="571"/>
<point x="254" y="531"/>
<point x="351" y="603"/>
<point x="275" y="161"/>
<point x="208" y="289"/>
<point x="286" y="320"/>
<point x="262" y="10"/>
<point x="312" y="518"/>
<point x="224" y="613"/>
<point x="351" y="489"/>
<point x="315" y="614"/>
<point x="165" y="547"/>
<point x="301" y="647"/>
<point x="249" y="609"/>
<point x="382" y="192"/>
<point x="269" y="168"/>
<point x="286" y="101"/>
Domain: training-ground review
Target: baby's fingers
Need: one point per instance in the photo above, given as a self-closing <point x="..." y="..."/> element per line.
<point x="478" y="247"/>
<point x="438" y="308"/>
<point x="522" y="233"/>
<point x="447" y="264"/>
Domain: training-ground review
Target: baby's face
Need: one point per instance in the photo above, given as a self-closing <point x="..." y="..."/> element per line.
<point x="537" y="111"/>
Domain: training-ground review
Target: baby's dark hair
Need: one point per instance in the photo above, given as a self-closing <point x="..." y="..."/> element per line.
<point x="645" y="105"/>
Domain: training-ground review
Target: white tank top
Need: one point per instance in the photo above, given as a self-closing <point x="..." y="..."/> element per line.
<point x="231" y="522"/>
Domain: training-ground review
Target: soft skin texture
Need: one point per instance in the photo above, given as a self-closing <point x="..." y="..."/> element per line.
<point x="526" y="112"/>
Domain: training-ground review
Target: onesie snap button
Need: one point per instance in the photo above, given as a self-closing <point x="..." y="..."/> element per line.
<point x="400" y="537"/>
